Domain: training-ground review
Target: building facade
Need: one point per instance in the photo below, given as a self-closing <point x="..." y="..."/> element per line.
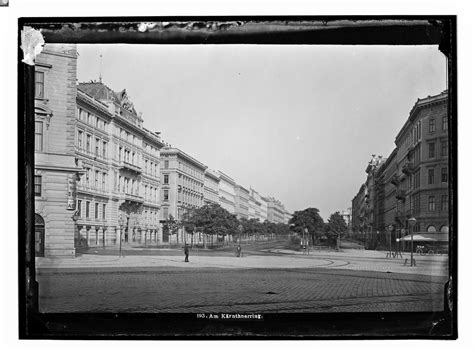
<point x="422" y="172"/>
<point x="242" y="197"/>
<point x="211" y="187"/>
<point x="227" y="196"/>
<point x="119" y="194"/>
<point x="276" y="210"/>
<point x="56" y="170"/>
<point x="413" y="181"/>
<point x="182" y="187"/>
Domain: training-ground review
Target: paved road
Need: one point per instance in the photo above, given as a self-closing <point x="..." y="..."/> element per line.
<point x="268" y="279"/>
<point x="239" y="290"/>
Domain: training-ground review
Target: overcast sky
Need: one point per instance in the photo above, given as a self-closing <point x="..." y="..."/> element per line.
<point x="295" y="122"/>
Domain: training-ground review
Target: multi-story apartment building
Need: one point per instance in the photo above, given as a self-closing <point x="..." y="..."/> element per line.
<point x="422" y="173"/>
<point x="385" y="194"/>
<point x="211" y="187"/>
<point x="118" y="196"/>
<point x="359" y="208"/>
<point x="288" y="216"/>
<point x="182" y="186"/>
<point x="263" y="208"/>
<point x="258" y="207"/>
<point x="56" y="169"/>
<point x="413" y="181"/>
<point x="227" y="194"/>
<point x="242" y="196"/>
<point x="276" y="210"/>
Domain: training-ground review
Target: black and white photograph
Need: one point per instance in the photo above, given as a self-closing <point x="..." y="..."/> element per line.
<point x="238" y="174"/>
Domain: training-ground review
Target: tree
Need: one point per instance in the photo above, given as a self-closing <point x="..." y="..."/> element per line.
<point x="212" y="219"/>
<point x="336" y="227"/>
<point x="172" y="226"/>
<point x="308" y="219"/>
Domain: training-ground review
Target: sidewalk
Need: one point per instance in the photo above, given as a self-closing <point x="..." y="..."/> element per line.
<point x="360" y="260"/>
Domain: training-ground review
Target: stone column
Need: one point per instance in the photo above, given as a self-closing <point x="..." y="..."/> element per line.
<point x="100" y="240"/>
<point x="142" y="236"/>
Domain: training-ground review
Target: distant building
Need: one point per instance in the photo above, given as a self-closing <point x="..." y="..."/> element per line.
<point x="183" y="186"/>
<point x="56" y="168"/>
<point x="227" y="193"/>
<point x="211" y="187"/>
<point x="258" y="206"/>
<point x="288" y="216"/>
<point x="276" y="210"/>
<point x="242" y="202"/>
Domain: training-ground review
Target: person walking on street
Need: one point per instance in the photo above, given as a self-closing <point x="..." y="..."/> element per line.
<point x="239" y="251"/>
<point x="186" y="253"/>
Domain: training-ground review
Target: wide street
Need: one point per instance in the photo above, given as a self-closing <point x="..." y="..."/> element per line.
<point x="269" y="278"/>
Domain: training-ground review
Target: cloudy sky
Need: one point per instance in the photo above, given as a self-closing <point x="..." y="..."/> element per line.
<point x="295" y="122"/>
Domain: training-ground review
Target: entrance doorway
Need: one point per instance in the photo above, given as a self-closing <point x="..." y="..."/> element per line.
<point x="39" y="236"/>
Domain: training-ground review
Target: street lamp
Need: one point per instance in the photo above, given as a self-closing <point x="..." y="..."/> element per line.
<point x="411" y="224"/>
<point x="241" y="228"/>
<point x="121" y="222"/>
<point x="390" y="229"/>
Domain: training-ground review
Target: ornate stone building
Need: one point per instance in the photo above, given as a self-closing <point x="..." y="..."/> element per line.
<point x="56" y="169"/>
<point x="183" y="187"/>
<point x="422" y="172"/>
<point x="276" y="210"/>
<point x="227" y="194"/>
<point x="242" y="202"/>
<point x="118" y="196"/>
<point x="211" y="187"/>
<point x="413" y="181"/>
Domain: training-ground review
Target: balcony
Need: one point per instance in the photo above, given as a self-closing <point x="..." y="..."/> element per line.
<point x="401" y="194"/>
<point x="395" y="180"/>
<point x="408" y="168"/>
<point x="133" y="198"/>
<point x="129" y="166"/>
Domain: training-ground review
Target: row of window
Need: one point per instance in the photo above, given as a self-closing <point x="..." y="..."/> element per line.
<point x="190" y="170"/>
<point x="432" y="124"/>
<point x="151" y="167"/>
<point x="432" y="149"/>
<point x="87" y="212"/>
<point x="190" y="183"/>
<point x="84" y="142"/>
<point x="95" y="179"/>
<point x="415" y="178"/>
<point x="91" y="119"/>
<point x="433" y="206"/>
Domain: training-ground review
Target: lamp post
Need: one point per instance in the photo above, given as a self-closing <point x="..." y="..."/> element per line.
<point x="241" y="228"/>
<point x="121" y="222"/>
<point x="411" y="224"/>
<point x="390" y="229"/>
<point x="305" y="234"/>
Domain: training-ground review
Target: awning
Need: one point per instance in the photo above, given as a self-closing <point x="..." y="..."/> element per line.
<point x="426" y="237"/>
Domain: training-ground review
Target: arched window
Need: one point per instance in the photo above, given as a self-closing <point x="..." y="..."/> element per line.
<point x="444" y="229"/>
<point x="431" y="228"/>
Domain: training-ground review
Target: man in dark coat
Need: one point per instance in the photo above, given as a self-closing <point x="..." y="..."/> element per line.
<point x="186" y="253"/>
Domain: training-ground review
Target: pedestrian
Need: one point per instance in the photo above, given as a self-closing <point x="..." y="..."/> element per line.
<point x="186" y="253"/>
<point x="239" y="249"/>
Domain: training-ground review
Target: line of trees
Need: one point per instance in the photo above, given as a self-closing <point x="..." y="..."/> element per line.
<point x="308" y="224"/>
<point x="211" y="220"/>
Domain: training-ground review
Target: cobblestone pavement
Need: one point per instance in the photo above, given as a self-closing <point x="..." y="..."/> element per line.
<point x="176" y="290"/>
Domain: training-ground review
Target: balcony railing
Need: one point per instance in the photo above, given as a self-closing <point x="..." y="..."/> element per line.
<point x="126" y="165"/>
<point x="131" y="197"/>
<point x="395" y="180"/>
<point x="408" y="168"/>
<point x="401" y="194"/>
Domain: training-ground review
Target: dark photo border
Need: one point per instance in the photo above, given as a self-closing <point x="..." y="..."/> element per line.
<point x="283" y="30"/>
